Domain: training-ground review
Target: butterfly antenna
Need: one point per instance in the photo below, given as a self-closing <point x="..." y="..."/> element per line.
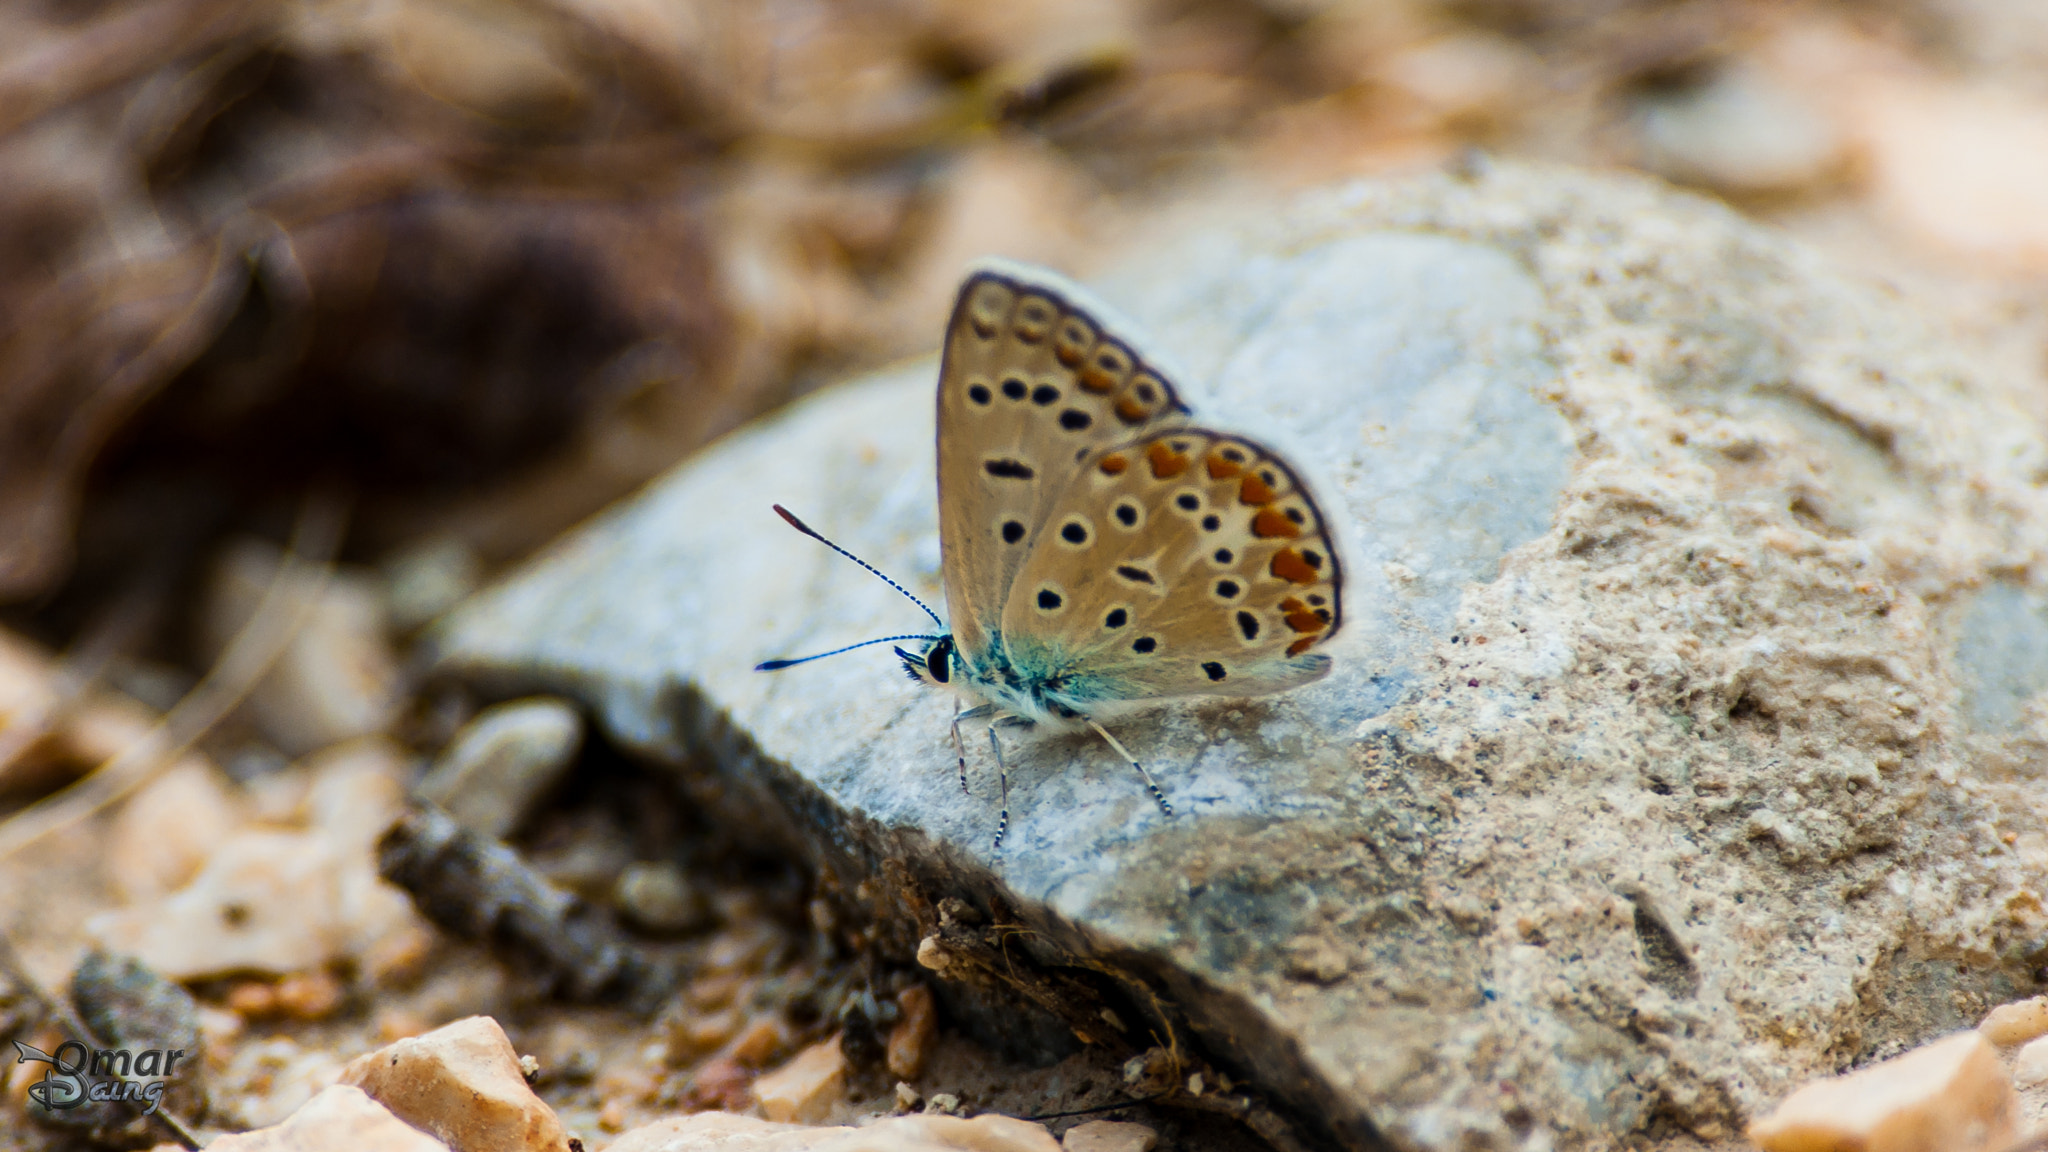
<point x="807" y="530"/>
<point x="776" y="665"/>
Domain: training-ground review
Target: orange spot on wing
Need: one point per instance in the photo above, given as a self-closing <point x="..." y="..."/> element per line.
<point x="1271" y="522"/>
<point x="1166" y="463"/>
<point x="1255" y="492"/>
<point x="1300" y="646"/>
<point x="1304" y="622"/>
<point x="1096" y="380"/>
<point x="1293" y="604"/>
<point x="1221" y="469"/>
<point x="1288" y="565"/>
<point x="1114" y="464"/>
<point x="1131" y="410"/>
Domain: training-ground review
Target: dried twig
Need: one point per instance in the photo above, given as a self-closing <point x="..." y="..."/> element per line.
<point x="278" y="618"/>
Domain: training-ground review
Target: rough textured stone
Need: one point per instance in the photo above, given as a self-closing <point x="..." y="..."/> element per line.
<point x="805" y="1089"/>
<point x="1948" y="1096"/>
<point x="725" y="1132"/>
<point x="1643" y="788"/>
<point x="462" y="1083"/>
<point x="501" y="762"/>
<point x="1109" y="1136"/>
<point x="339" y="1119"/>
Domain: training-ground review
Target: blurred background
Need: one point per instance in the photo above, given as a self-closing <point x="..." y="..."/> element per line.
<point x="314" y="314"/>
<point x="476" y="267"/>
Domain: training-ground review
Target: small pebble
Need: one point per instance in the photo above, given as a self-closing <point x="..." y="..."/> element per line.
<point x="933" y="955"/>
<point x="2017" y="1022"/>
<point x="911" y="1039"/>
<point x="758" y="1043"/>
<point x="703" y="1033"/>
<point x="710" y="993"/>
<point x="907" y="1098"/>
<point x="463" y="1084"/>
<point x="723" y="1084"/>
<point x="1948" y="1096"/>
<point x="805" y="1090"/>
<point x="1109" y="1136"/>
<point x="313" y="995"/>
<point x="942" y="1102"/>
<point x="502" y="762"/>
<point x="657" y="897"/>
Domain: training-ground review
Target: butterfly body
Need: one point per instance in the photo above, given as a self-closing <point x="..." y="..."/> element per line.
<point x="1099" y="549"/>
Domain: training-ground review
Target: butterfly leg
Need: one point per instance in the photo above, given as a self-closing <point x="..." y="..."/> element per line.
<point x="960" y="750"/>
<point x="1002" y="775"/>
<point x="1151" y="785"/>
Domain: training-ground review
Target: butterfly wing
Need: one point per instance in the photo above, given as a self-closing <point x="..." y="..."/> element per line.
<point x="1181" y="562"/>
<point x="1030" y="385"/>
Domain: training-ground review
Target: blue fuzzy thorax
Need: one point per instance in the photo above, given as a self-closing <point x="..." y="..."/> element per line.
<point x="1030" y="679"/>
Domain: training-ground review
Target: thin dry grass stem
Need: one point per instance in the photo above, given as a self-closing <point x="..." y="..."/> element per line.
<point x="278" y="617"/>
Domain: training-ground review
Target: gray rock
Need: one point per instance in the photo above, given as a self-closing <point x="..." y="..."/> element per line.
<point x="1637" y="793"/>
<point x="501" y="762"/>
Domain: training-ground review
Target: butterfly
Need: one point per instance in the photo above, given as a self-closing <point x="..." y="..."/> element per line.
<point x="1100" y="549"/>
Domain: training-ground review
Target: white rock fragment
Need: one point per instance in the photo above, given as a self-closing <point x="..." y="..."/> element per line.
<point x="2030" y="1066"/>
<point x="1109" y="1136"/>
<point x="2016" y="1023"/>
<point x="728" y="1132"/>
<point x="164" y="834"/>
<point x="276" y="900"/>
<point x="339" y="1119"/>
<point x="1948" y="1096"/>
<point x="463" y="1083"/>
<point x="805" y="1089"/>
<point x="502" y="761"/>
<point x="337" y="679"/>
<point x="1741" y="130"/>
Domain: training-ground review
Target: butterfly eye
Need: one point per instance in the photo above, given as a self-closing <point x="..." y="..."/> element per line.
<point x="938" y="663"/>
